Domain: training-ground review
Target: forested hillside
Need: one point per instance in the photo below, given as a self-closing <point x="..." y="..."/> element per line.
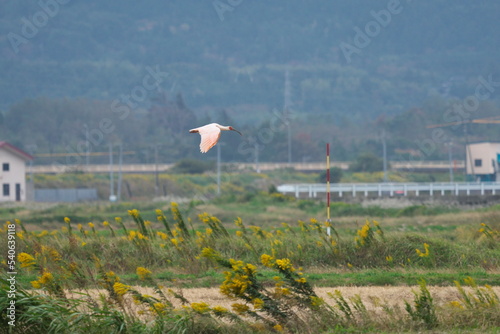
<point x="157" y="68"/>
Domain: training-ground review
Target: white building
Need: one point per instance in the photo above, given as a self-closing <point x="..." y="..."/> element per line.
<point x="482" y="161"/>
<point x="12" y="172"/>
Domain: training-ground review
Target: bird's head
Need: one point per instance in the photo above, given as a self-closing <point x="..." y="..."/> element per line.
<point x="233" y="129"/>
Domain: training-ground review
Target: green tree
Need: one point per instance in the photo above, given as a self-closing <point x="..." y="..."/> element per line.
<point x="335" y="175"/>
<point x="367" y="162"/>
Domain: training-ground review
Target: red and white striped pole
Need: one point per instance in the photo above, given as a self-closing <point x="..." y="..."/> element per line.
<point x="328" y="187"/>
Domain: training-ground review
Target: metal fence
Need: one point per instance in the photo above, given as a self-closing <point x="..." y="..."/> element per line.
<point x="392" y="189"/>
<point x="66" y="195"/>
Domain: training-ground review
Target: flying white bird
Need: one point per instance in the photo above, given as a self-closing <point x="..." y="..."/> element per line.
<point x="210" y="135"/>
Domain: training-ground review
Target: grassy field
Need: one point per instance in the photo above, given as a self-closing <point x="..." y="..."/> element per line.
<point x="268" y="255"/>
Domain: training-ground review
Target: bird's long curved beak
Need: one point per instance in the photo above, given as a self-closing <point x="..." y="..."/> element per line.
<point x="236" y="131"/>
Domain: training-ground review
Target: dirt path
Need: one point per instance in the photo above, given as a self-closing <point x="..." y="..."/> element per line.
<point x="392" y="295"/>
<point x="372" y="297"/>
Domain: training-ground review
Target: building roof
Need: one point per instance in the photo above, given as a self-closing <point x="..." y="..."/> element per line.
<point x="485" y="143"/>
<point x="15" y="150"/>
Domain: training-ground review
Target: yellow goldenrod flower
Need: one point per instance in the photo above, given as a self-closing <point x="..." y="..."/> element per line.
<point x="55" y="255"/>
<point x="159" y="308"/>
<point x="278" y="328"/>
<point x="46" y="278"/>
<point x="26" y="260"/>
<point x="91" y="225"/>
<point x="219" y="309"/>
<point x="134" y="213"/>
<point x="258" y="303"/>
<point x="284" y="264"/>
<point x="266" y="260"/>
<point x="208" y="253"/>
<point x="143" y="273"/>
<point x="43" y="280"/>
<point x="141" y="236"/>
<point x="250" y="269"/>
<point x="36" y="284"/>
<point x="162" y="235"/>
<point x="236" y="264"/>
<point x="426" y="252"/>
<point x="105" y="223"/>
<point x="301" y="280"/>
<point x="67" y="220"/>
<point x="121" y="288"/>
<point x="111" y="276"/>
<point x="317" y="301"/>
<point x="240" y="308"/>
<point x="200" y="307"/>
<point x="132" y="235"/>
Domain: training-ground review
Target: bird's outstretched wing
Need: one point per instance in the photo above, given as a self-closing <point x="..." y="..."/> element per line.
<point x="210" y="134"/>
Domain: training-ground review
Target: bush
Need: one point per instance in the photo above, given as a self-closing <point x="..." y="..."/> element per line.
<point x="367" y="162"/>
<point x="192" y="166"/>
<point x="335" y="175"/>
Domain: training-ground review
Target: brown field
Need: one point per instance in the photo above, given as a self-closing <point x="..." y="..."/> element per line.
<point x="373" y="297"/>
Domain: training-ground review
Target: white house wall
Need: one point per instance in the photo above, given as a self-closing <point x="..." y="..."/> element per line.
<point x="487" y="152"/>
<point x="15" y="175"/>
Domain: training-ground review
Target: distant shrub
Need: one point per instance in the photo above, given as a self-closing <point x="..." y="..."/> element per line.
<point x="367" y="162"/>
<point x="192" y="166"/>
<point x="335" y="175"/>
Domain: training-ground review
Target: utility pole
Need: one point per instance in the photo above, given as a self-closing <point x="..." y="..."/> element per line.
<point x="286" y="111"/>
<point x="87" y="143"/>
<point x="218" y="169"/>
<point x="157" y="180"/>
<point x="257" y="168"/>
<point x="468" y="153"/>
<point x="450" y="144"/>
<point x="384" y="152"/>
<point x="112" y="196"/>
<point x="119" y="191"/>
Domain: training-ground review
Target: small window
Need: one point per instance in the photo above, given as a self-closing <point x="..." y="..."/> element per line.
<point x="6" y="189"/>
<point x="5" y="167"/>
<point x="478" y="163"/>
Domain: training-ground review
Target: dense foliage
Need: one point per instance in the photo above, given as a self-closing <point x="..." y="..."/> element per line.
<point x="262" y="271"/>
<point x="156" y="68"/>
